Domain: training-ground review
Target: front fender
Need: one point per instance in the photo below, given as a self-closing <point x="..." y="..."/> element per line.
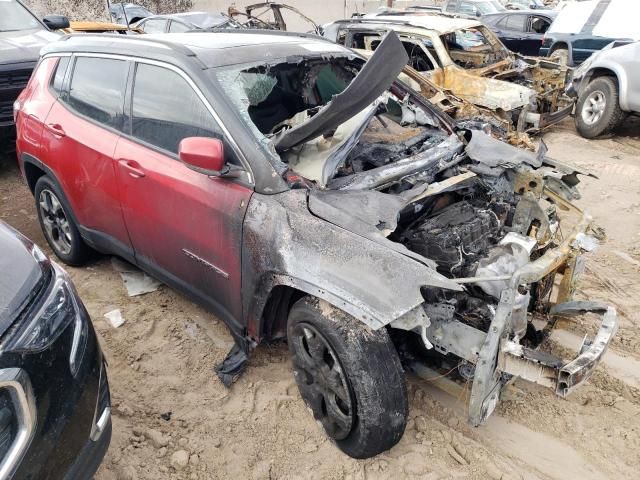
<point x="284" y="244"/>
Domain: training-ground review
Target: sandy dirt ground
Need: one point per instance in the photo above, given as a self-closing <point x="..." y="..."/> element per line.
<point x="173" y="419"/>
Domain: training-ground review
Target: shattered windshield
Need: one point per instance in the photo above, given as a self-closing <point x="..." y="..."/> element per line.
<point x="275" y="99"/>
<point x="474" y="47"/>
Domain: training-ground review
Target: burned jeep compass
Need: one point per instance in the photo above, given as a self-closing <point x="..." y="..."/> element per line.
<point x="320" y="200"/>
<point x="480" y="217"/>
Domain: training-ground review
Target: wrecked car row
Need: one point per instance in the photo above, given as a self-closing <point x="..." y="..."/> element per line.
<point x="316" y="197"/>
<point x="467" y="59"/>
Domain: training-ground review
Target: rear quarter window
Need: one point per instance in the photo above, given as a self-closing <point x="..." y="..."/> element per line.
<point x="57" y="80"/>
<point x="97" y="89"/>
<point x="154" y="26"/>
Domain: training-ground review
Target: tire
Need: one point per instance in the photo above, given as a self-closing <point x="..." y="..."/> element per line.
<point x="560" y="55"/>
<point x="598" y="110"/>
<point x="58" y="226"/>
<point x="350" y="377"/>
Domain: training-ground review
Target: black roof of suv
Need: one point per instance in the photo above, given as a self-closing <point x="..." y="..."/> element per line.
<point x="211" y="49"/>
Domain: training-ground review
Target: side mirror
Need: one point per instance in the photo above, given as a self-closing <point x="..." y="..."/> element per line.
<point x="56" y="22"/>
<point x="204" y="155"/>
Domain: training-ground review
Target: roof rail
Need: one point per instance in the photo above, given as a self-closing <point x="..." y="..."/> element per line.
<point x="178" y="48"/>
<point x="260" y="31"/>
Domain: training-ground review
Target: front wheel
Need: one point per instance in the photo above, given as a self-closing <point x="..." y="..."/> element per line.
<point x="350" y="377"/>
<point x="598" y="110"/>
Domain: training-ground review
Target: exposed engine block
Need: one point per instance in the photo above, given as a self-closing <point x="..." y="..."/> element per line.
<point x="456" y="237"/>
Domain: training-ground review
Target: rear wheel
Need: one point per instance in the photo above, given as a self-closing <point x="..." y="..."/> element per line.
<point x="598" y="110"/>
<point x="57" y="224"/>
<point x="350" y="377"/>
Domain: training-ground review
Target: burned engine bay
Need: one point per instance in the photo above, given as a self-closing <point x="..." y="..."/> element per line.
<point x="393" y="169"/>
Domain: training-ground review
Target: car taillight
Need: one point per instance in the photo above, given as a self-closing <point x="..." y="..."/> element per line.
<point x="17" y="418"/>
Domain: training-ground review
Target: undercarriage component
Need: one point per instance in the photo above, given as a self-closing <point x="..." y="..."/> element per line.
<point x="232" y="366"/>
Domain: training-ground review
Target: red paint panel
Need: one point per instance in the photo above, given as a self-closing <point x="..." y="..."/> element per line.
<point x="83" y="162"/>
<point x="184" y="221"/>
<point x="35" y="102"/>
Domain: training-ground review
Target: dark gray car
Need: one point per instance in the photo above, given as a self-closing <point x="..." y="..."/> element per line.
<point x="184" y="22"/>
<point x="22" y="35"/>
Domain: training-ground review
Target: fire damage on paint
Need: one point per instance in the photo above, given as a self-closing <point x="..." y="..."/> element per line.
<point x="398" y="216"/>
<point x="269" y="16"/>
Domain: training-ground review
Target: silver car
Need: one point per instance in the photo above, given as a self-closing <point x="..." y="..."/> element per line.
<point x="606" y="88"/>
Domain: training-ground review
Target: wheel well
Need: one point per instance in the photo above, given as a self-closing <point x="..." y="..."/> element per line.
<point x="559" y="46"/>
<point x="276" y="311"/>
<point x="604" y="72"/>
<point x="32" y="174"/>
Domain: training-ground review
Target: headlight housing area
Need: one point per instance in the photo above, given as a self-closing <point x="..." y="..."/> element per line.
<point x="56" y="313"/>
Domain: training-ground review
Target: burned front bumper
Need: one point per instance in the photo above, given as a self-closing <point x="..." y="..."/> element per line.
<point x="497" y="354"/>
<point x="500" y="357"/>
<point x="538" y="121"/>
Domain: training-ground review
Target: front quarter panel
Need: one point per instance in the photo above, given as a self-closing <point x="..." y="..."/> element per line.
<point x="284" y="244"/>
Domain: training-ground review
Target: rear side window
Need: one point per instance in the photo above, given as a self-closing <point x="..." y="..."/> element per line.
<point x="97" y="89"/>
<point x="154" y="26"/>
<point x="165" y="109"/>
<point x="58" y="77"/>
<point x="178" y="27"/>
<point x="513" y="23"/>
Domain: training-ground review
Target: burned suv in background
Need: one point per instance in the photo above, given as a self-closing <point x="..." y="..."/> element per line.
<point x="22" y="35"/>
<point x="467" y="58"/>
<point x="308" y="195"/>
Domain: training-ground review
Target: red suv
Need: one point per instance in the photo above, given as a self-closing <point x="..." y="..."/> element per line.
<point x="301" y="193"/>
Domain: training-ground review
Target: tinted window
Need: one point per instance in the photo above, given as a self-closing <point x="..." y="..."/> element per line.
<point x="154" y="26"/>
<point x="178" y="27"/>
<point x="97" y="89"/>
<point x="58" y="77"/>
<point x="513" y="22"/>
<point x="164" y="120"/>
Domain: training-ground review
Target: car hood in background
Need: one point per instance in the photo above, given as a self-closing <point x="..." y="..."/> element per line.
<point x="24" y="46"/>
<point x="20" y="275"/>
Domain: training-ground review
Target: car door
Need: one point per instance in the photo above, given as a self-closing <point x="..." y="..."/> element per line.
<point x="78" y="141"/>
<point x="511" y="30"/>
<point x="537" y="26"/>
<point x="185" y="227"/>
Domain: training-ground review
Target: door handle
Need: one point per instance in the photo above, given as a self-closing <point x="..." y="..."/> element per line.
<point x="132" y="167"/>
<point x="56" y="129"/>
